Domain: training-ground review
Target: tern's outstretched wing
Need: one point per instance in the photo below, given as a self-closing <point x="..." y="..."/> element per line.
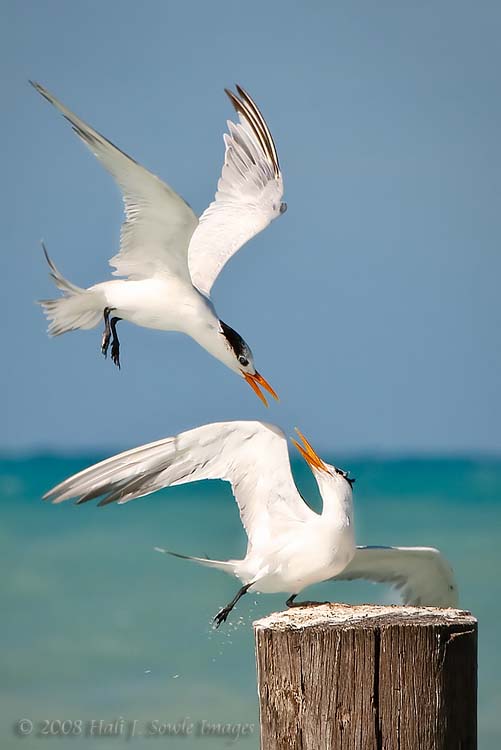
<point x="248" y="198"/>
<point x="158" y="225"/>
<point x="422" y="575"/>
<point x="252" y="456"/>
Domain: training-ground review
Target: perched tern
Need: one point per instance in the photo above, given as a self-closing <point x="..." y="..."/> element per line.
<point x="290" y="546"/>
<point x="169" y="256"/>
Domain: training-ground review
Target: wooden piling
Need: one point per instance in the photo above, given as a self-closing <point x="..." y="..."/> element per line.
<point x="337" y="677"/>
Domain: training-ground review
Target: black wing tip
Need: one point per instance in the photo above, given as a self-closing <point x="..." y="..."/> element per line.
<point x="239" y="99"/>
<point x="237" y="105"/>
<point x="45" y="252"/>
<point x="53" y="270"/>
<point x="52" y="496"/>
<point x="41" y="90"/>
<point x="247" y="107"/>
<point x="247" y="98"/>
<point x="93" y="496"/>
<point x="172" y="554"/>
<point x="240" y="91"/>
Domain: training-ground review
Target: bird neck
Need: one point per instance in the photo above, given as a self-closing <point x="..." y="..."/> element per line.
<point x="337" y="504"/>
<point x="208" y="335"/>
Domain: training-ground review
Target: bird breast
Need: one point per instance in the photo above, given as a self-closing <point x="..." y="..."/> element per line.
<point x="308" y="557"/>
<point x="167" y="304"/>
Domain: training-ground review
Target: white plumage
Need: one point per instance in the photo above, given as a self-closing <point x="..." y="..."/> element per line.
<point x="421" y="575"/>
<point x="290" y="546"/>
<point x="170" y="258"/>
<point x="248" y="198"/>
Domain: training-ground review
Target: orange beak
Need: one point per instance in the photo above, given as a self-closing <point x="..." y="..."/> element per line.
<point x="310" y="456"/>
<point x="257" y="380"/>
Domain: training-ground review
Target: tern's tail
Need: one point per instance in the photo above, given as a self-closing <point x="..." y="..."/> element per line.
<point x="77" y="308"/>
<point x="227" y="565"/>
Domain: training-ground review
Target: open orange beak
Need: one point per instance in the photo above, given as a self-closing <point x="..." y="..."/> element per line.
<point x="257" y="380"/>
<point x="310" y="456"/>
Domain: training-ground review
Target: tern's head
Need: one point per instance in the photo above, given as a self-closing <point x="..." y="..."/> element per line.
<point x="328" y="477"/>
<point x="238" y="357"/>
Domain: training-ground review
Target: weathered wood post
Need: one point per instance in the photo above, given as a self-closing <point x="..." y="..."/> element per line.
<point x="336" y="677"/>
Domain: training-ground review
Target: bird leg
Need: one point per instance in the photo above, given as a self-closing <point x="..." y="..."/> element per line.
<point x="291" y="603"/>
<point x="115" y="343"/>
<point x="105" y="341"/>
<point x="225" y="611"/>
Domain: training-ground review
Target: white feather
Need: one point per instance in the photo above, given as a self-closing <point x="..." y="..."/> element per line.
<point x="422" y="576"/>
<point x="290" y="546"/>
<point x="252" y="456"/>
<point x="159" y="223"/>
<point x="160" y="292"/>
<point x="248" y="198"/>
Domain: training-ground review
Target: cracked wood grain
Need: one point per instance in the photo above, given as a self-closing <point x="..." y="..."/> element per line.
<point x="367" y="678"/>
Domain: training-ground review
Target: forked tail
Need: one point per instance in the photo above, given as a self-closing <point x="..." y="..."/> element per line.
<point x="77" y="308"/>
<point x="227" y="565"/>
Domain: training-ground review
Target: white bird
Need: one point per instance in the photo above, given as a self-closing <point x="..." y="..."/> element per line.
<point x="170" y="257"/>
<point x="290" y="546"/>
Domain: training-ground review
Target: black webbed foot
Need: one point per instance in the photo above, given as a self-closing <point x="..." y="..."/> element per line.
<point x="115" y="354"/>
<point x="105" y="341"/>
<point x="221" y="616"/>
<point x="115" y="344"/>
<point x="223" y="613"/>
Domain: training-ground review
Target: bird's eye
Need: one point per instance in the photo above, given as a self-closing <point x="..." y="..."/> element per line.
<point x="351" y="480"/>
<point x="243" y="361"/>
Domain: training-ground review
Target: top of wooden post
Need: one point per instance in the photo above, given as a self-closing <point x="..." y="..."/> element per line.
<point x="365" y="615"/>
<point x="334" y="675"/>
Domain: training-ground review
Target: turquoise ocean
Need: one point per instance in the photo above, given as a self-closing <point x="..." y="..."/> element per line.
<point x="100" y="631"/>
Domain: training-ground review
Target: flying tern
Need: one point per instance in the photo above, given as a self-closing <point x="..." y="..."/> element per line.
<point x="170" y="257"/>
<point x="290" y="546"/>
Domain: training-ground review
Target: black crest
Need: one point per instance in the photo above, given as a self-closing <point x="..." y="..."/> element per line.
<point x="238" y="345"/>
<point x="351" y="481"/>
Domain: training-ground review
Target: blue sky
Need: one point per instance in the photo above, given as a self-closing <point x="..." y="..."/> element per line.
<point x="372" y="305"/>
